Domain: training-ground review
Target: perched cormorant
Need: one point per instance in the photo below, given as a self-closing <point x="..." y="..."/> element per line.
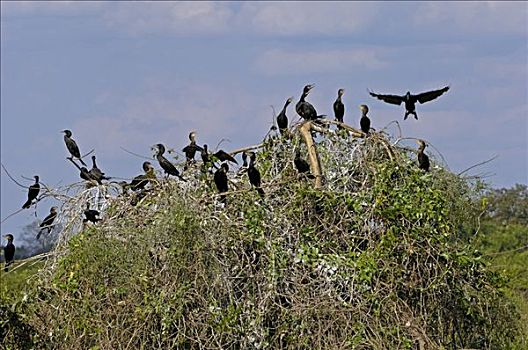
<point x="72" y="146"/>
<point x="85" y="174"/>
<point x="167" y="166"/>
<point x="205" y="154"/>
<point x="32" y="193"/>
<point x="96" y="173"/>
<point x="410" y="100"/>
<point x="302" y="165"/>
<point x="364" y="122"/>
<point x="46" y="224"/>
<point x="91" y="214"/>
<point x="423" y="159"/>
<point x="254" y="174"/>
<point x="243" y="169"/>
<point x="339" y="106"/>
<point x="191" y="149"/>
<point x="223" y="156"/>
<point x="220" y="179"/>
<point x="9" y="251"/>
<point x="304" y="108"/>
<point x="140" y="181"/>
<point x="282" y="119"/>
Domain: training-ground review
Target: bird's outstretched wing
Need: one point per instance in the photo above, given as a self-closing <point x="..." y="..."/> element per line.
<point x="430" y="95"/>
<point x="392" y="99"/>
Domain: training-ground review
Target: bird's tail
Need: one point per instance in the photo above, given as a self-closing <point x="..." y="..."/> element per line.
<point x="260" y="192"/>
<point x="83" y="163"/>
<point x="27" y="204"/>
<point x="38" y="234"/>
<point x="223" y="199"/>
<point x="181" y="178"/>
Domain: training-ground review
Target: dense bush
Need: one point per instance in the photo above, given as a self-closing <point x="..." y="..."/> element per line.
<point x="375" y="259"/>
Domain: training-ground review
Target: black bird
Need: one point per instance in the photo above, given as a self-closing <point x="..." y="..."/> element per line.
<point x="282" y="119"/>
<point x="140" y="181"/>
<point x="364" y="122"/>
<point x="191" y="149"/>
<point x="46" y="224"/>
<point x="223" y="156"/>
<point x="220" y="179"/>
<point x="167" y="166"/>
<point x="205" y="154"/>
<point x="85" y="174"/>
<point x="96" y="173"/>
<point x="244" y="168"/>
<point x="254" y="175"/>
<point x="302" y="165"/>
<point x="423" y="159"/>
<point x="305" y="109"/>
<point x="72" y="146"/>
<point x="9" y="251"/>
<point x="339" y="106"/>
<point x="91" y="214"/>
<point x="410" y="100"/>
<point x="32" y="193"/>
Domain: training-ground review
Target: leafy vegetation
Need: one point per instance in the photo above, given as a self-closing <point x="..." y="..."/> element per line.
<point x="378" y="258"/>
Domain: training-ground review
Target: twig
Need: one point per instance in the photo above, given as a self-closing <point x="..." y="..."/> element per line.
<point x="15" y="181"/>
<point x="248" y="148"/>
<point x="312" y="153"/>
<point x="10" y="215"/>
<point x="479" y="164"/>
<point x="135" y="154"/>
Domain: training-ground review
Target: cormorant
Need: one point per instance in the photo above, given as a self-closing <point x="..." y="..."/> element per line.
<point x="305" y="109"/>
<point x="364" y="122"/>
<point x="167" y="166"/>
<point x="220" y="179"/>
<point x="72" y="146"/>
<point x="140" y="181"/>
<point x="254" y="174"/>
<point x="243" y="169"/>
<point x="191" y="148"/>
<point x="91" y="214"/>
<point x="85" y="174"/>
<point x="96" y="173"/>
<point x="9" y="251"/>
<point x="302" y="165"/>
<point x="205" y="154"/>
<point x="339" y="106"/>
<point x="410" y="100"/>
<point x="282" y="119"/>
<point x="32" y="193"/>
<point x="223" y="156"/>
<point x="423" y="159"/>
<point x="46" y="224"/>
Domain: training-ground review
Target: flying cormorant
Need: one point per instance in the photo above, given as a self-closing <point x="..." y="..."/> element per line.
<point x="32" y="193"/>
<point x="167" y="166"/>
<point x="91" y="214"/>
<point x="46" y="224"/>
<point x="282" y="119"/>
<point x="410" y="100"/>
<point x="302" y="165"/>
<point x="304" y="108"/>
<point x="9" y="251"/>
<point x="364" y="122"/>
<point x="220" y="179"/>
<point x="191" y="149"/>
<point x="96" y="173"/>
<point x="423" y="159"/>
<point x="72" y="146"/>
<point x="140" y="181"/>
<point x="339" y="106"/>
<point x="254" y="174"/>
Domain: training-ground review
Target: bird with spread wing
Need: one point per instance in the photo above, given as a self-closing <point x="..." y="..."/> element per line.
<point x="410" y="100"/>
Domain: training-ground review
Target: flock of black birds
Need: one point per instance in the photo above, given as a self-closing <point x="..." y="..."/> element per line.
<point x="303" y="108"/>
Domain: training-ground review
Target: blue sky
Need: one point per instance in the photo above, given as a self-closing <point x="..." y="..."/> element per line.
<point x="123" y="74"/>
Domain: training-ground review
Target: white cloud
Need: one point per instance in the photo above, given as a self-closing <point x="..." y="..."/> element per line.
<point x="475" y="17"/>
<point x="180" y="18"/>
<point x="284" y="62"/>
<point x="298" y="18"/>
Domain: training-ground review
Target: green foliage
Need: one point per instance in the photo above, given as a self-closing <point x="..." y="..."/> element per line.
<point x="376" y="259"/>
